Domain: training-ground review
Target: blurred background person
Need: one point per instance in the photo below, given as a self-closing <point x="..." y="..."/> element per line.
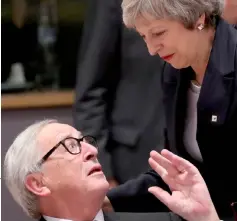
<point x="230" y="11"/>
<point x="118" y="92"/>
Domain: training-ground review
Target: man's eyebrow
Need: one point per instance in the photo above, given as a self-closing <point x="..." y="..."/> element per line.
<point x="67" y="135"/>
<point x="63" y="136"/>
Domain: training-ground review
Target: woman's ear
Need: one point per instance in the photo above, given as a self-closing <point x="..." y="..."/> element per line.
<point x="200" y="22"/>
<point x="35" y="185"/>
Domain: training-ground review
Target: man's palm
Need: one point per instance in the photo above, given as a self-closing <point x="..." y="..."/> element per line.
<point x="189" y="196"/>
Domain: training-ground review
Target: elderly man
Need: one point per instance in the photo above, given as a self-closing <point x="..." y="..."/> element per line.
<point x="53" y="173"/>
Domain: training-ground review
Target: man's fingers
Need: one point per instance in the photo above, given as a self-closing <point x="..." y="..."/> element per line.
<point x="157" y="167"/>
<point x="162" y="195"/>
<point x="167" y="154"/>
<point x="164" y="162"/>
<point x="180" y="163"/>
<point x="168" y="179"/>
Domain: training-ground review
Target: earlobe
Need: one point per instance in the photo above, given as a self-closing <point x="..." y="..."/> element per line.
<point x="201" y="21"/>
<point x="34" y="184"/>
<point x="200" y="27"/>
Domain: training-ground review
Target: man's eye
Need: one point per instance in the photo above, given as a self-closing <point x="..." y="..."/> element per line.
<point x="73" y="145"/>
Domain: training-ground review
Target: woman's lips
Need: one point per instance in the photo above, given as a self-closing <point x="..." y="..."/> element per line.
<point x="167" y="57"/>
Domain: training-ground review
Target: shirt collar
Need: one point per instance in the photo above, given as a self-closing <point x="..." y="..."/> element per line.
<point x="99" y="217"/>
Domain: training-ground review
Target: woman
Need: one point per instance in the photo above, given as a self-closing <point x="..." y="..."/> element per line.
<point x="200" y="95"/>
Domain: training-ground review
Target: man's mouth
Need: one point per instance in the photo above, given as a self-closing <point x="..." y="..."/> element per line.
<point x="95" y="169"/>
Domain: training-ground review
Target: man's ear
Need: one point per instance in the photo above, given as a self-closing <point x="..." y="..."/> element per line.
<point x="35" y="185"/>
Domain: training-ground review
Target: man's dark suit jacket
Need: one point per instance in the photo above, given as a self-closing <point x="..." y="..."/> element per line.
<point x="118" y="91"/>
<point x="217" y="140"/>
<point x="138" y="217"/>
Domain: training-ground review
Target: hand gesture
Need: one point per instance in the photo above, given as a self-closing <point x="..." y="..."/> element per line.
<point x="189" y="196"/>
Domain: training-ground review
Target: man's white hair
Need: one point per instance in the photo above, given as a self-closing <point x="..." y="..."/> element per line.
<point x="21" y="159"/>
<point x="184" y="11"/>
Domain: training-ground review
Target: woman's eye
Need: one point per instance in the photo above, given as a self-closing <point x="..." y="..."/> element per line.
<point x="157" y="34"/>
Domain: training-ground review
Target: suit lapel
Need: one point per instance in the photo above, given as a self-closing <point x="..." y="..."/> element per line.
<point x="170" y="82"/>
<point x="162" y="216"/>
<point x="113" y="216"/>
<point x="181" y="105"/>
<point x="42" y="219"/>
<point x="107" y="217"/>
<point x="217" y="88"/>
<point x="216" y="97"/>
<point x="176" y="83"/>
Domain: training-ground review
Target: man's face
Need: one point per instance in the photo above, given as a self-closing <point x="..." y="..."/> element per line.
<point x="65" y="174"/>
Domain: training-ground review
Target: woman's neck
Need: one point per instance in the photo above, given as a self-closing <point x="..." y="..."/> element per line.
<point x="203" y="54"/>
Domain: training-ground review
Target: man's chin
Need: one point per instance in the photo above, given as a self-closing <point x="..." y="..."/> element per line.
<point x="105" y="186"/>
<point x="99" y="181"/>
<point x="99" y="189"/>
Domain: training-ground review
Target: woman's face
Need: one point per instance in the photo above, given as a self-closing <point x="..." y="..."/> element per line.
<point x="169" y="39"/>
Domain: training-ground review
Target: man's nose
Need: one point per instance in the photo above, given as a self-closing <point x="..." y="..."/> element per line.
<point x="89" y="152"/>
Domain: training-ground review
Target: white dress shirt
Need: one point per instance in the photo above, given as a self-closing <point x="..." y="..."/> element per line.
<point x="98" y="217"/>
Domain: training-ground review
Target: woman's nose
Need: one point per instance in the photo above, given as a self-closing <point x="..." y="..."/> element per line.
<point x="151" y="49"/>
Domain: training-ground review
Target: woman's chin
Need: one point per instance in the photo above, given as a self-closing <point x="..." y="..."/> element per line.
<point x="179" y="65"/>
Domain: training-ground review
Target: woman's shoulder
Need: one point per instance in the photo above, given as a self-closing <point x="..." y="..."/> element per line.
<point x="228" y="34"/>
<point x="226" y="31"/>
<point x="223" y="54"/>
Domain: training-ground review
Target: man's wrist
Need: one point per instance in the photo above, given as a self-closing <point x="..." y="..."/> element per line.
<point x="210" y="216"/>
<point x="213" y="217"/>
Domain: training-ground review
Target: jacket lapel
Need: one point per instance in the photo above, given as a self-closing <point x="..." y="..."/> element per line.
<point x="42" y="219"/>
<point x="113" y="216"/>
<point x="176" y="83"/>
<point x="170" y="82"/>
<point x="217" y="88"/>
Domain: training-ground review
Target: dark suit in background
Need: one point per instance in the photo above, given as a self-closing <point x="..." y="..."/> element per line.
<point x="118" y="92"/>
